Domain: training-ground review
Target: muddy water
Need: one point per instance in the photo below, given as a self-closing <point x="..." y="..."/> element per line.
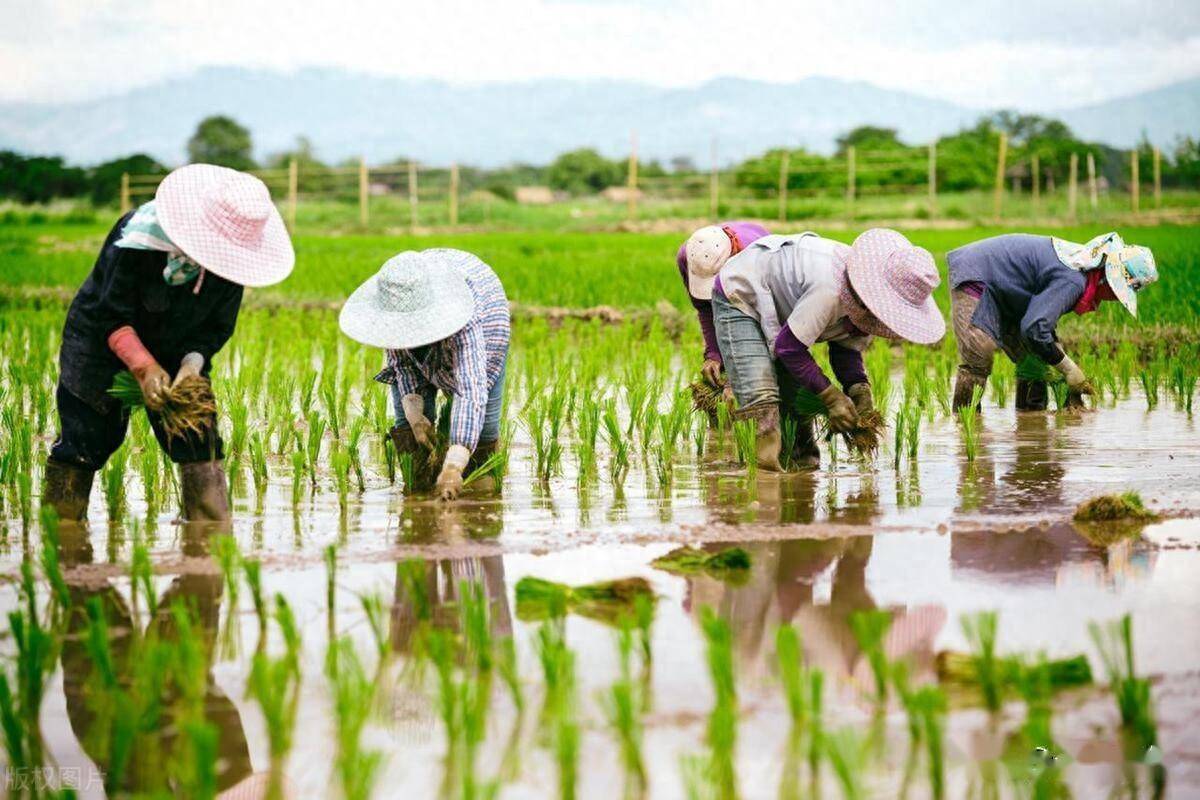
<point x="929" y="541"/>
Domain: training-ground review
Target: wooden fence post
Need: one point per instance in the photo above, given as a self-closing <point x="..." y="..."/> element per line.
<point x="1036" y="178"/>
<point x="1001" y="155"/>
<point x="633" y="176"/>
<point x="125" y="202"/>
<point x="783" y="185"/>
<point x="293" y="189"/>
<point x="1157" y="179"/>
<point x="1092" y="190"/>
<point x="1073" y="187"/>
<point x="1134" y="187"/>
<point x="714" y="208"/>
<point x="363" y="193"/>
<point x="413" y="200"/>
<point x="932" y="178"/>
<point x="454" y="194"/>
<point x="850" y="181"/>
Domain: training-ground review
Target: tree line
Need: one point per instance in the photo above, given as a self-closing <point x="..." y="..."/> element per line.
<point x="965" y="160"/>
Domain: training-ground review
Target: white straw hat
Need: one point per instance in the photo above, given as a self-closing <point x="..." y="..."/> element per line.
<point x="224" y="220"/>
<point x="415" y="299"/>
<point x="707" y="251"/>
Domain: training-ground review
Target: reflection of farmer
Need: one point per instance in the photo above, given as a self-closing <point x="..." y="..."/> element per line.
<point x="161" y="300"/>
<point x="1010" y="291"/>
<point x="443" y="318"/>
<point x="441" y="581"/>
<point x="700" y="258"/>
<point x="783" y="294"/>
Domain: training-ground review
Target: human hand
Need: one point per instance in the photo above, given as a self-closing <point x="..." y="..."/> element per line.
<point x="843" y="417"/>
<point x="711" y="371"/>
<point x="188" y="368"/>
<point x="414" y="411"/>
<point x="860" y="393"/>
<point x="450" y="481"/>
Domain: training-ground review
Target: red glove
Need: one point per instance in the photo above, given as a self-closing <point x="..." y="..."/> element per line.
<point x="153" y="379"/>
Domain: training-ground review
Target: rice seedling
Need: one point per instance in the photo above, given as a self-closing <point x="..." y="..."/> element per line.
<point x="907" y="443"/>
<point x="187" y="408"/>
<point x="618" y="446"/>
<point x="340" y="461"/>
<point x="1150" y="380"/>
<point x="1183" y="384"/>
<point x="1114" y="507"/>
<point x="968" y="423"/>
<point x="744" y="440"/>
<point x="494" y="466"/>
<point x="1114" y="641"/>
<point x="606" y="601"/>
<point x="862" y="440"/>
<point x="962" y="669"/>
<point x="980" y="630"/>
<point x="354" y="451"/>
<point x="316" y="432"/>
<point x="113" y="481"/>
<point x="870" y="628"/>
<point x="731" y="563"/>
<point x="299" y="469"/>
<point x="258" y="466"/>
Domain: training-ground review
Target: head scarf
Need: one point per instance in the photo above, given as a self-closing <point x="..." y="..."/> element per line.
<point x="143" y="232"/>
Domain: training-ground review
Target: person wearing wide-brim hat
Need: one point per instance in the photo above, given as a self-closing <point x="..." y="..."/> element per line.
<point x="161" y="300"/>
<point x="442" y="316"/>
<point x="1008" y="292"/>
<point x="699" y="260"/>
<point x="783" y="294"/>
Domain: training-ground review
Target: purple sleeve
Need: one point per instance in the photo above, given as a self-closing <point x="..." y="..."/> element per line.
<point x="847" y="364"/>
<point x="703" y="310"/>
<point x="795" y="357"/>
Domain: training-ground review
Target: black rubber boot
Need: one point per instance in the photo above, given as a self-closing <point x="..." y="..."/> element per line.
<point x="483" y="451"/>
<point x="965" y="383"/>
<point x="205" y="491"/>
<point x="66" y="489"/>
<point x="1031" y="395"/>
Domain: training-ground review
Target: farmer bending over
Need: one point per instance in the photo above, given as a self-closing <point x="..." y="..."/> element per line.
<point x="442" y="316"/>
<point x="161" y="300"/>
<point x="699" y="259"/>
<point x="1009" y="292"/>
<point x="783" y="294"/>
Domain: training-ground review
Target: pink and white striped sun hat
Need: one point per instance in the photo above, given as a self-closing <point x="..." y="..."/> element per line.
<point x="895" y="280"/>
<point x="224" y="220"/>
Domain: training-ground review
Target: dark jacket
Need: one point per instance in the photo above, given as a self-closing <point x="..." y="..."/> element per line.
<point x="126" y="287"/>
<point x="1026" y="288"/>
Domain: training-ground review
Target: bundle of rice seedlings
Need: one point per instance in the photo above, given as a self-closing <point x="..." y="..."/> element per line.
<point x="863" y="439"/>
<point x="729" y="564"/>
<point x="606" y="601"/>
<point x="187" y="407"/>
<point x="960" y="668"/>
<point x="1114" y="507"/>
<point x="706" y="397"/>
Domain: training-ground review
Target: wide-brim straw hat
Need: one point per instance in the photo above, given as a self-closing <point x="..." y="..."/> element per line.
<point x="895" y="280"/>
<point x="415" y="299"/>
<point x="707" y="251"/>
<point x="224" y="220"/>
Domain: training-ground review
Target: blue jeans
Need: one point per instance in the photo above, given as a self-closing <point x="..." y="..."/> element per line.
<point x="491" y="416"/>
<point x="748" y="361"/>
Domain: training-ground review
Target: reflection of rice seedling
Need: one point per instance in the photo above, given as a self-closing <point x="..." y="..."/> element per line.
<point x="37" y="652"/>
<point x="623" y="709"/>
<point x="731" y="563"/>
<point x="253" y="569"/>
<point x="863" y="439"/>
<point x="1113" y="507"/>
<point x="539" y="599"/>
<point x="188" y="407"/>
<point x="980" y="630"/>
<point x="275" y="685"/>
<point x="848" y="756"/>
<point x="930" y="703"/>
<point x="870" y="628"/>
<point x="353" y="698"/>
<point x="722" y="722"/>
<point x="1114" y="640"/>
<point x="902" y="684"/>
<point x="787" y="652"/>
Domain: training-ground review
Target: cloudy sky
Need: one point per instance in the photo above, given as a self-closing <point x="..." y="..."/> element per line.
<point x="1034" y="54"/>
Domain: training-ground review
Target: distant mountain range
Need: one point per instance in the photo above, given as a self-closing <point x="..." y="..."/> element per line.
<point x="348" y="115"/>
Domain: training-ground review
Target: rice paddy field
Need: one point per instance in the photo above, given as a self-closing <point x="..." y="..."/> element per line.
<point x="636" y="611"/>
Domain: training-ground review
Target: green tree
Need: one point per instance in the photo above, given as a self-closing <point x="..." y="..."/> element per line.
<point x="222" y="141"/>
<point x="583" y="171"/>
<point x="106" y="178"/>
<point x="39" y="179"/>
<point x="312" y="173"/>
<point x="967" y="159"/>
<point x="881" y="159"/>
<point x="805" y="171"/>
<point x="1187" y="162"/>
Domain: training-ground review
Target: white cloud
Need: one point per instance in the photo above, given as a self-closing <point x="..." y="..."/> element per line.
<point x="1021" y="52"/>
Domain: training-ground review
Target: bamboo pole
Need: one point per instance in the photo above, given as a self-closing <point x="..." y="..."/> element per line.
<point x="363" y="188"/>
<point x="1035" y="175"/>
<point x="1157" y="179"/>
<point x="293" y="188"/>
<point x="714" y="208"/>
<point x="454" y="194"/>
<point x="850" y="181"/>
<point x="1073" y="187"/>
<point x="1134" y="187"/>
<point x="125" y="202"/>
<point x="413" y="200"/>
<point x="932" y="178"/>
<point x="633" y="175"/>
<point x="1093" y="194"/>
<point x="1001" y="155"/>
<point x="783" y="185"/>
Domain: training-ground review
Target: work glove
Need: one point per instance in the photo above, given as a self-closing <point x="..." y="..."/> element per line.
<point x="450" y="480"/>
<point x="711" y="371"/>
<point x="1077" y="382"/>
<point x="414" y="412"/>
<point x="860" y="393"/>
<point x="188" y="368"/>
<point x="843" y="418"/>
<point x="152" y="378"/>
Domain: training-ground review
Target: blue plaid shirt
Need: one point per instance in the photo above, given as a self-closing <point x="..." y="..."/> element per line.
<point x="466" y="365"/>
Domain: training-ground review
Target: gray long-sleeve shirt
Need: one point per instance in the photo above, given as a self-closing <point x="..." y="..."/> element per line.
<point x="1026" y="289"/>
